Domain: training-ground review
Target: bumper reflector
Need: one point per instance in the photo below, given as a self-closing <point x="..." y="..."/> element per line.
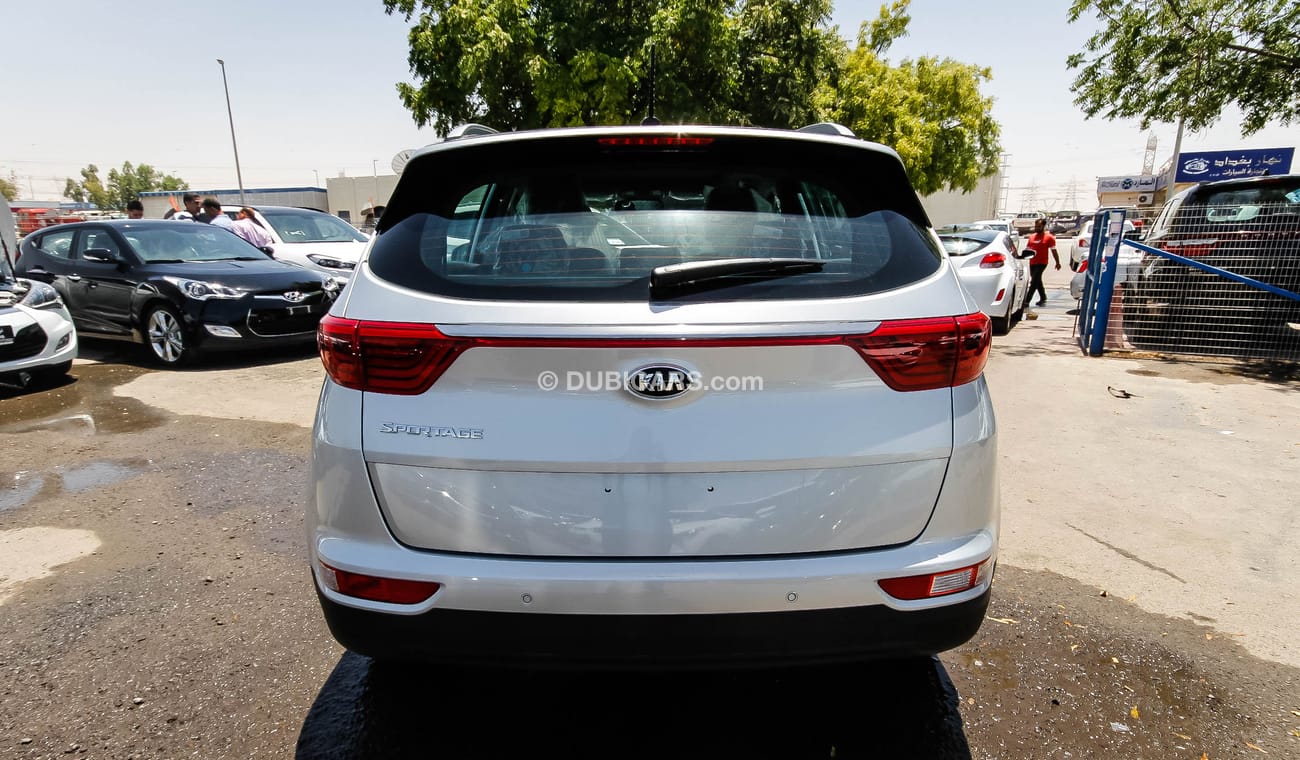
<point x="391" y="590"/>
<point x="928" y="586"/>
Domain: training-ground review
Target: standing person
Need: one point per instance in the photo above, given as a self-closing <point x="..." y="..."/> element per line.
<point x="134" y="210"/>
<point x="246" y="227"/>
<point x="192" y="208"/>
<point x="1041" y="243"/>
<point x="212" y="207"/>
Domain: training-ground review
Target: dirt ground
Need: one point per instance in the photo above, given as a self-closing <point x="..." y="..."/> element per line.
<point x="155" y="600"/>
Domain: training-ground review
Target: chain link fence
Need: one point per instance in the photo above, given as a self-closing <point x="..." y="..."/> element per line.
<point x="1201" y="301"/>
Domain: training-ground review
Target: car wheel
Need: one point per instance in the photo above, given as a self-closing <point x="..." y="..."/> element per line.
<point x="165" y="336"/>
<point x="1002" y="324"/>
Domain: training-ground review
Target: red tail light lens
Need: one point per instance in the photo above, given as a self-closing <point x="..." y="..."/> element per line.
<point x="924" y="354"/>
<point x="993" y="261"/>
<point x="932" y="585"/>
<point x="655" y="142"/>
<point x="386" y="357"/>
<point x="407" y="359"/>
<point x="1191" y="248"/>
<point x="376" y="589"/>
<point x="1083" y="266"/>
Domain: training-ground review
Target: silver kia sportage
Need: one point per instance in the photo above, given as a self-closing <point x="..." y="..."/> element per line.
<point x="652" y="395"/>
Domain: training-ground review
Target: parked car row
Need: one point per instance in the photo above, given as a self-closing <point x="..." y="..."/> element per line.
<point x="176" y="287"/>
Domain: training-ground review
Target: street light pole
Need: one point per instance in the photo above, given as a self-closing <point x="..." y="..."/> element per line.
<point x="230" y="114"/>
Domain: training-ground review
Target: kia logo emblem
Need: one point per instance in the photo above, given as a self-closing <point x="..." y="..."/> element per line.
<point x="658" y="381"/>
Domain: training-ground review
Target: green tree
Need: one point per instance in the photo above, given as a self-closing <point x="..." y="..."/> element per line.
<point x="123" y="186"/>
<point x="518" y="64"/>
<point x="1166" y="60"/>
<point x="9" y="187"/>
<point x="929" y="110"/>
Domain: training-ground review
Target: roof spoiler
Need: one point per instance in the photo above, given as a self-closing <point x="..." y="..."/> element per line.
<point x="469" y="130"/>
<point x="828" y="128"/>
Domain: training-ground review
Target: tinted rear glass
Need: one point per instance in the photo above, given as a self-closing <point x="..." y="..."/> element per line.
<point x="572" y="219"/>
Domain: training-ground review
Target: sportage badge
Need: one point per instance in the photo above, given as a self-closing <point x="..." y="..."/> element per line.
<point x="658" y="381"/>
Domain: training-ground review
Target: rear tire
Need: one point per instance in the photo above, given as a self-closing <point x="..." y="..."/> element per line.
<point x="1002" y="324"/>
<point x="165" y="339"/>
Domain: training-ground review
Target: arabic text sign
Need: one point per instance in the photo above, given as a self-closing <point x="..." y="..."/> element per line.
<point x="1231" y="164"/>
<point x="1137" y="183"/>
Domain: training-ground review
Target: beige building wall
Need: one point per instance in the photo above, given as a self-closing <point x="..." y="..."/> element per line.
<point x="351" y="197"/>
<point x="950" y="207"/>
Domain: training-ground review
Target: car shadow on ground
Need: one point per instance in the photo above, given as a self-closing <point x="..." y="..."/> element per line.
<point x="120" y="352"/>
<point x="893" y="709"/>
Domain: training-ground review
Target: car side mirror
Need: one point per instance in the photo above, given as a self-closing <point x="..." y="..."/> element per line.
<point x="101" y="256"/>
<point x="268" y="250"/>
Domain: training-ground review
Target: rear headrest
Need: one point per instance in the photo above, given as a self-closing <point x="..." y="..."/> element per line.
<point x="730" y="199"/>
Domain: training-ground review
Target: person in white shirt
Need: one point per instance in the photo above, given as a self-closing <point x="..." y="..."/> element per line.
<point x="216" y="217"/>
<point x="246" y="227"/>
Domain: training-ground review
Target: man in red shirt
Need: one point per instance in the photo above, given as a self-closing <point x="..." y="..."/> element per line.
<point x="1041" y="243"/>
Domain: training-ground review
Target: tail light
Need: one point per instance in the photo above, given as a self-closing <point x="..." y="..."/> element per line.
<point x="931" y="585"/>
<point x="1191" y="248"/>
<point x="406" y="359"/>
<point x="375" y="588"/>
<point x="993" y="261"/>
<point x="1083" y="266"/>
<point x="386" y="357"/>
<point x="924" y="354"/>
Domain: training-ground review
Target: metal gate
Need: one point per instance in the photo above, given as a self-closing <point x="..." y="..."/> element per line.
<point x="1225" y="282"/>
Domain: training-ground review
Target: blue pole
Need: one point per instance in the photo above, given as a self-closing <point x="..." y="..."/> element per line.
<point x="1111" y="236"/>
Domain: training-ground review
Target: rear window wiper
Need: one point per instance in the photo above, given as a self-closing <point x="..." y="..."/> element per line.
<point x="715" y="272"/>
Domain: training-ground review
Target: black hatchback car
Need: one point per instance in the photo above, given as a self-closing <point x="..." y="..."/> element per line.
<point x="178" y="287"/>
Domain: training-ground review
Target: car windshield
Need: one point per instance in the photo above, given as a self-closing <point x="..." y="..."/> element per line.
<point x="304" y="226"/>
<point x="596" y="228"/>
<point x="188" y="241"/>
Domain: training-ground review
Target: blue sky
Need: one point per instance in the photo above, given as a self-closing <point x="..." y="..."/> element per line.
<point x="312" y="91"/>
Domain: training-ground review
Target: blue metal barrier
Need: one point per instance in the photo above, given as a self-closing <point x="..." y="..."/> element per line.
<point x="1275" y="290"/>
<point x="1099" y="283"/>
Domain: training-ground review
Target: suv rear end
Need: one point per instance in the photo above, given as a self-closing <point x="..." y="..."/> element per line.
<point x="640" y="395"/>
<point x="1249" y="227"/>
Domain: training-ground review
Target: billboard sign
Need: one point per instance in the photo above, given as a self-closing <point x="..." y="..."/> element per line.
<point x="1135" y="183"/>
<point x="1232" y="164"/>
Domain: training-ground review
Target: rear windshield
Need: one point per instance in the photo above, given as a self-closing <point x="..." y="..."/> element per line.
<point x="960" y="245"/>
<point x="571" y="219"/>
<point x="1249" y="206"/>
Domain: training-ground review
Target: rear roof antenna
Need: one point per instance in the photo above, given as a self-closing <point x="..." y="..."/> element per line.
<point x="650" y="120"/>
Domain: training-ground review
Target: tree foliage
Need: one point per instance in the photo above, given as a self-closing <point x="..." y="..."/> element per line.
<point x="123" y="186"/>
<point x="929" y="110"/>
<point x="1162" y="60"/>
<point x="9" y="187"/>
<point x="523" y="64"/>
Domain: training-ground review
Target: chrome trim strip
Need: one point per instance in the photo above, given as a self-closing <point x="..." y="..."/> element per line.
<point x="753" y="330"/>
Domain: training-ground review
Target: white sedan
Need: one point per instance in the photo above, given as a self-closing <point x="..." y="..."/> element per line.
<point x="37" y="339"/>
<point x="1081" y="242"/>
<point x="310" y="238"/>
<point x="991" y="270"/>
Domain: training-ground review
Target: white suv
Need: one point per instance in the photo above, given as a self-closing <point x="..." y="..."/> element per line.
<point x="674" y="395"/>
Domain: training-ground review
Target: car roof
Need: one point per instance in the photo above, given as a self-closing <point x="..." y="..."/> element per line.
<point x="1247" y="181"/>
<point x="662" y="130"/>
<point x="121" y="224"/>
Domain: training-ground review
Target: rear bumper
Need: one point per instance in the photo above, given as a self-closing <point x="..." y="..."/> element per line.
<point x="635" y="641"/>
